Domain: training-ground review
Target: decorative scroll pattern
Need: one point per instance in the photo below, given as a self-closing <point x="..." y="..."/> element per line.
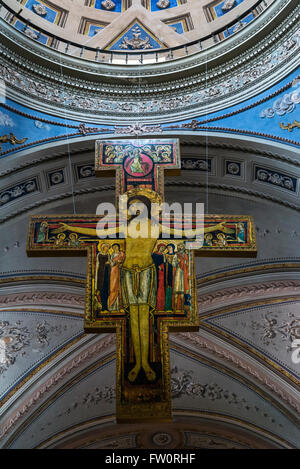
<point x="275" y="178"/>
<point x="17" y="191"/>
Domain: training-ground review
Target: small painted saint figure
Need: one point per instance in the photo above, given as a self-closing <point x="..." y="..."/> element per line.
<point x="159" y="259"/>
<point x="73" y="240"/>
<point x="170" y="275"/>
<point x="181" y="278"/>
<point x="136" y="166"/>
<point x="102" y="276"/>
<point x="116" y="260"/>
<point x="43" y="232"/>
<point x="241" y="233"/>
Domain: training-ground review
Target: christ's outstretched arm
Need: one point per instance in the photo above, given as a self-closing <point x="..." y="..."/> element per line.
<point x="193" y="232"/>
<point x="94" y="232"/>
<point x="102" y="232"/>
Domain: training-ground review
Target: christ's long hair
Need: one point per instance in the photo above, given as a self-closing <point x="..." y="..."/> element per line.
<point x="140" y="199"/>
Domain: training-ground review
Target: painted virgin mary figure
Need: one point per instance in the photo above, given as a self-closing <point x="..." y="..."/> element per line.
<point x="116" y="260"/>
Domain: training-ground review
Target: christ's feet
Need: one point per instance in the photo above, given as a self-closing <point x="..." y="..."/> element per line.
<point x="150" y="374"/>
<point x="133" y="373"/>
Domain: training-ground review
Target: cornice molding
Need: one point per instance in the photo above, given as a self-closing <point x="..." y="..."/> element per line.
<point x="194" y="125"/>
<point x="171" y="183"/>
<point x="74" y="150"/>
<point x="263" y="267"/>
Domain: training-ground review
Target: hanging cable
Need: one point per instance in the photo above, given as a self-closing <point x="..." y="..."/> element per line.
<point x="139" y="100"/>
<point x="206" y="137"/>
<point x="68" y="143"/>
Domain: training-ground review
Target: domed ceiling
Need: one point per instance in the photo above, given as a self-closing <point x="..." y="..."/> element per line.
<point x="132" y="25"/>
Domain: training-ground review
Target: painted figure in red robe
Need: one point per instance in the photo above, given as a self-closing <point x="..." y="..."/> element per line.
<point x="116" y="260"/>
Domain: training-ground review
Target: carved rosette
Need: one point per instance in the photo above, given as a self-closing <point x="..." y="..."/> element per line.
<point x="39" y="9"/>
<point x="30" y="33"/>
<point x="108" y="5"/>
<point x="163" y="4"/>
<point x="228" y="4"/>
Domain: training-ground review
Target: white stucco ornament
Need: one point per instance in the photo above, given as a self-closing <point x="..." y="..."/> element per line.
<point x="39" y="9"/>
<point x="163" y="4"/>
<point x="240" y="25"/>
<point x="30" y="33"/>
<point x="108" y="4"/>
<point x="136" y="42"/>
<point x="228" y="4"/>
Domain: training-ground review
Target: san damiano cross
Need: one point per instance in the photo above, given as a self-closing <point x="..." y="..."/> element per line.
<point x="140" y="288"/>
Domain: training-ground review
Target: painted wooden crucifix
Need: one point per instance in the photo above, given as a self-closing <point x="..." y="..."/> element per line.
<point x="141" y="287"/>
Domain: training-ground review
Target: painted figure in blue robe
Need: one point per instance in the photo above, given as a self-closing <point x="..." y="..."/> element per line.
<point x="103" y="276"/>
<point x="241" y="233"/>
<point x="170" y="274"/>
<point x="159" y="260"/>
<point x="43" y="232"/>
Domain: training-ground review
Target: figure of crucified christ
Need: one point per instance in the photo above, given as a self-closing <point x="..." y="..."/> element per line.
<point x="139" y="282"/>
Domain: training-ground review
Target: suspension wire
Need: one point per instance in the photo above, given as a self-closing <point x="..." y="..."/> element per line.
<point x="139" y="100"/>
<point x="206" y="136"/>
<point x="138" y="136"/>
<point x="68" y="142"/>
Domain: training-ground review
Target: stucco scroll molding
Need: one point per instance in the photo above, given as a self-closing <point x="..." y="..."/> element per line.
<point x="243" y="292"/>
<point x="101" y="346"/>
<point x="223" y="353"/>
<point x="41" y="298"/>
